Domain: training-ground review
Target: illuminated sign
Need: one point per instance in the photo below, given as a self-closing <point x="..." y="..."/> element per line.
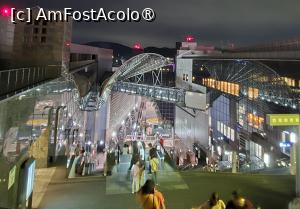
<point x="283" y="119"/>
<point x="284" y="144"/>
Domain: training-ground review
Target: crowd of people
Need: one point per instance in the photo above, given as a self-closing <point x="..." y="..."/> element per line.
<point x="238" y="201"/>
<point x="81" y="161"/>
<point x="138" y="167"/>
<point x="149" y="197"/>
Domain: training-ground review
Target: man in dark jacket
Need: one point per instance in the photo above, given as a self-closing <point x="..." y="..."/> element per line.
<point x="152" y="151"/>
<point x="239" y="202"/>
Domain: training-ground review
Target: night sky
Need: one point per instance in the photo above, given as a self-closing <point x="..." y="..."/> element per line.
<point x="217" y="22"/>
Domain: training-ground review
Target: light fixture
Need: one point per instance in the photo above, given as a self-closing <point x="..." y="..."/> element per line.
<point x="293" y="137"/>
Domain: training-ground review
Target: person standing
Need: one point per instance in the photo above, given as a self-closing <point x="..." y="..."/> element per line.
<point x="152" y="151"/>
<point x="135" y="174"/>
<point x="239" y="202"/>
<point x="154" y="163"/>
<point x="147" y="197"/>
<point x="142" y="173"/>
<point x="80" y="163"/>
<point x="135" y="155"/>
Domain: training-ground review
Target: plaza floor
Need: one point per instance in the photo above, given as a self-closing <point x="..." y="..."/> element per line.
<point x="182" y="190"/>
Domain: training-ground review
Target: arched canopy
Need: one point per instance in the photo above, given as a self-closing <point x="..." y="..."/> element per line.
<point x="251" y="75"/>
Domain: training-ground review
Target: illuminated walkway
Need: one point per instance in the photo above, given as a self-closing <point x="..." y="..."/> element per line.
<point x="120" y="183"/>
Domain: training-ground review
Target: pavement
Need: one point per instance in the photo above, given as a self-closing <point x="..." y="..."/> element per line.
<point x="43" y="177"/>
<point x="182" y="190"/>
<point x="120" y="183"/>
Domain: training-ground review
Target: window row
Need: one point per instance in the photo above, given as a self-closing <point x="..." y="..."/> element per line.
<point x="255" y="121"/>
<point x="225" y="130"/>
<point x="185" y="77"/>
<point x="224" y="86"/>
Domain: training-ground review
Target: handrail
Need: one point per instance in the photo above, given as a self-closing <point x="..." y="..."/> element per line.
<point x="14" y="81"/>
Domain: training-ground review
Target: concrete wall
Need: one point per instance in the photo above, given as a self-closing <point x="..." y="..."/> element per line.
<point x="42" y="43"/>
<point x="191" y="126"/>
<point x="6" y="41"/>
<point x="102" y="56"/>
<point x="184" y="66"/>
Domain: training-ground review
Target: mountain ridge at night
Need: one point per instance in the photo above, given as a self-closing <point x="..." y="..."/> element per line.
<point x="121" y="50"/>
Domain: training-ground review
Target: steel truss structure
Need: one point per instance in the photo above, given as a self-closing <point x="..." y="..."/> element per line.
<point x="134" y="67"/>
<point x="251" y="74"/>
<point x="247" y="74"/>
<point x="166" y="94"/>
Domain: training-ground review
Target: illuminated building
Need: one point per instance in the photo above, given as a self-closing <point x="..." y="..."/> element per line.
<point x="240" y="94"/>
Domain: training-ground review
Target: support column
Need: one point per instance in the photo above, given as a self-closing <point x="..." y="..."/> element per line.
<point x="234" y="161"/>
<point x="293" y="159"/>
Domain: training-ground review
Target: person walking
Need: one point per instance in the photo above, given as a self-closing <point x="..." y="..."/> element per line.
<point x="135" y="155"/>
<point x="239" y="202"/>
<point x="142" y="173"/>
<point x="152" y="153"/>
<point x="214" y="202"/>
<point x="146" y="196"/>
<point x="80" y="163"/>
<point x="154" y="163"/>
<point x="135" y="174"/>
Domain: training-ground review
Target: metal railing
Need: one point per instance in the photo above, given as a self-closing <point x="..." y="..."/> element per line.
<point x="254" y="165"/>
<point x="167" y="94"/>
<point x="16" y="80"/>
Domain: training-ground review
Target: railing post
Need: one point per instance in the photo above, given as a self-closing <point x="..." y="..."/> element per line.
<point x="22" y="76"/>
<point x="43" y="76"/>
<point x="38" y="75"/>
<point x="34" y="75"/>
<point x="7" y="87"/>
<point x="28" y="79"/>
<point x="16" y="80"/>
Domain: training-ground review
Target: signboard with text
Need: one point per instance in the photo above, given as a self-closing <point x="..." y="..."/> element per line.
<point x="283" y="119"/>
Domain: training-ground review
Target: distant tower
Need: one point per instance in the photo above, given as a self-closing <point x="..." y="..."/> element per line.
<point x="189" y="42"/>
<point x="137" y="48"/>
<point x="189" y="38"/>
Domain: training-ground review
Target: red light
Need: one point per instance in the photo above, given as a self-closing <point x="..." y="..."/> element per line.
<point x="67" y="43"/>
<point x="137" y="46"/>
<point x="5" y="11"/>
<point x="189" y="38"/>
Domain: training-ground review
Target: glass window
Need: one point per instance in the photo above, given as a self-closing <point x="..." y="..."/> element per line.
<point x="222" y="128"/>
<point x="36" y="30"/>
<point x="228" y="132"/>
<point x="43" y="39"/>
<point x="232" y="135"/>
